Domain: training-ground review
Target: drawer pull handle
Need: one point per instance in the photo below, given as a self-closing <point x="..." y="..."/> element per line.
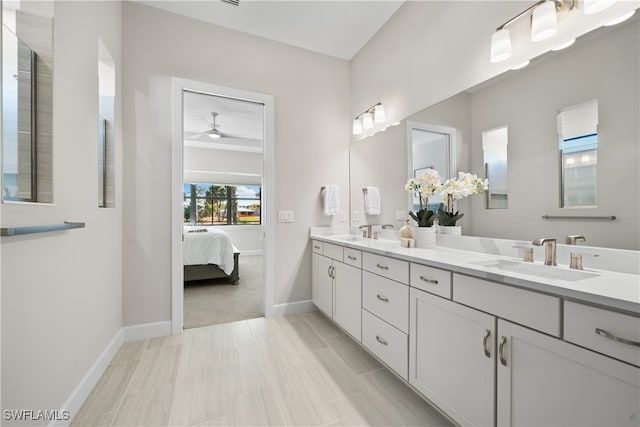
<point x="316" y="247"/>
<point x="484" y="343"/>
<point x="381" y="340"/>
<point x="381" y="298"/>
<point x="424" y="279"/>
<point x="352" y="258"/>
<point x="606" y="334"/>
<point x="503" y="341"/>
<point x="384" y="267"/>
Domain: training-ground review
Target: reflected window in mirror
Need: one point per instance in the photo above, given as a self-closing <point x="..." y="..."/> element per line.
<point x="578" y="135"/>
<point x="494" y="147"/>
<point x="27" y="102"/>
<point x="430" y="148"/>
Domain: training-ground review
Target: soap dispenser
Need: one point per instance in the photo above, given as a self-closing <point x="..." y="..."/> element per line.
<point x="406" y="232"/>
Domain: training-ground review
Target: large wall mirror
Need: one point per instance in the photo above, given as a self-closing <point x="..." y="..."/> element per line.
<point x="527" y="198"/>
<point x="27" y="101"/>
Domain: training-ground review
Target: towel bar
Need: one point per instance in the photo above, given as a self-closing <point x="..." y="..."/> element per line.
<point x="605" y="218"/>
<point x="364" y="190"/>
<point x="15" y="231"/>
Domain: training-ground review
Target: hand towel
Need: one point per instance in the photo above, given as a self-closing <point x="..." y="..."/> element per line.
<point x="331" y="197"/>
<point x="372" y="201"/>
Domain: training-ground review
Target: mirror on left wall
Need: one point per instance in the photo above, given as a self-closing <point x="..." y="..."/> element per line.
<point x="27" y="101"/>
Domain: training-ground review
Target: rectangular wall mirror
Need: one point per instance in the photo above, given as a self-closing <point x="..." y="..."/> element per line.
<point x="27" y="102"/>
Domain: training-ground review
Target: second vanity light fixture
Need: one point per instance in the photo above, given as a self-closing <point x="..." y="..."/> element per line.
<point x="544" y="23"/>
<point x="365" y="120"/>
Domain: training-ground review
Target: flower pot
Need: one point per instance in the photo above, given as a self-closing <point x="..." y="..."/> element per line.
<point x="451" y="230"/>
<point x="425" y="237"/>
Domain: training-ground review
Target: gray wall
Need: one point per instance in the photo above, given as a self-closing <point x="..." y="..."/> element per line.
<point x="311" y="142"/>
<point x="62" y="291"/>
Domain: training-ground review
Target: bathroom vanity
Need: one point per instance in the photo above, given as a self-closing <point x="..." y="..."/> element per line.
<point x="489" y="339"/>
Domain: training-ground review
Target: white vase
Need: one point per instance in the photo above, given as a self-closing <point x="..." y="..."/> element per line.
<point x="425" y="237"/>
<point x="451" y="230"/>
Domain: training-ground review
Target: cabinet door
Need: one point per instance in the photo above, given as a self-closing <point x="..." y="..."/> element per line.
<point x="322" y="284"/>
<point x="452" y="357"/>
<point x="347" y="300"/>
<point x="546" y="381"/>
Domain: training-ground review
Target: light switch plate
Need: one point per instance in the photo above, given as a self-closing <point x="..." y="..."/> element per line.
<point x="285" y="216"/>
<point x="343" y="216"/>
<point x="355" y="216"/>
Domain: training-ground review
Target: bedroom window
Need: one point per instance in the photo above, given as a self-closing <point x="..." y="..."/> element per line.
<point x="219" y="204"/>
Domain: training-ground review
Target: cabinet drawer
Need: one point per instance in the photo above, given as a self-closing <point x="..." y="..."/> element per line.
<point x="434" y="280"/>
<point x="387" y="299"/>
<point x="394" y="269"/>
<point x="333" y="251"/>
<point x="528" y="308"/>
<point x="317" y="246"/>
<point x="597" y="329"/>
<point x="386" y="342"/>
<point x="353" y="257"/>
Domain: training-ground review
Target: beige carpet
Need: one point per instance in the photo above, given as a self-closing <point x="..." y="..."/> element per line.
<point x="210" y="302"/>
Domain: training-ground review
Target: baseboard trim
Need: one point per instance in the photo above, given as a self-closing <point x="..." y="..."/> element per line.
<point x="81" y="392"/>
<point x="146" y="330"/>
<point x="87" y="383"/>
<point x="293" y="308"/>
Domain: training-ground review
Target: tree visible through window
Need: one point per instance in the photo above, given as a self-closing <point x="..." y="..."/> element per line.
<point x="217" y="204"/>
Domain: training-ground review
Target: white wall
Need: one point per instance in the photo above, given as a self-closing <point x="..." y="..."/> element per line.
<point x="311" y="142"/>
<point x="536" y="95"/>
<point x="222" y="166"/>
<point x="62" y="291"/>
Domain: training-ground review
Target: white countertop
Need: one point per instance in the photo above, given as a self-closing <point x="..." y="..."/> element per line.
<point x="611" y="289"/>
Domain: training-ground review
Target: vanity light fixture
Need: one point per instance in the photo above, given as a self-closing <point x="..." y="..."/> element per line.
<point x="544" y="24"/>
<point x="366" y="119"/>
<point x="564" y="45"/>
<point x="518" y="67"/>
<point x="595" y="6"/>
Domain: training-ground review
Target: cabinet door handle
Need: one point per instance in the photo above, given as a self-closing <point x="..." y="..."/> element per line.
<point x="316" y="247"/>
<point x="352" y="258"/>
<point x="381" y="340"/>
<point x="503" y="341"/>
<point x="609" y="335"/>
<point x="381" y="298"/>
<point x="484" y="343"/>
<point x="329" y="271"/>
<point x="333" y="272"/>
<point x="384" y="267"/>
<point x="424" y="279"/>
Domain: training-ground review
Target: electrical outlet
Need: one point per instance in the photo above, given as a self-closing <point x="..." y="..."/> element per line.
<point x="285" y="216"/>
<point x="343" y="216"/>
<point x="355" y="216"/>
<point x="400" y="215"/>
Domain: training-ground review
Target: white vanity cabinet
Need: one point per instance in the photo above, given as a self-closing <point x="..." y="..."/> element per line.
<point x="337" y="287"/>
<point x="546" y="381"/>
<point x="452" y="357"/>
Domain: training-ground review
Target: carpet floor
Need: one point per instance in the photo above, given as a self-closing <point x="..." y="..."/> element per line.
<point x="215" y="301"/>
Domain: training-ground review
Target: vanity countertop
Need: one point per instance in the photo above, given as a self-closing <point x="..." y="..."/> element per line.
<point x="611" y="289"/>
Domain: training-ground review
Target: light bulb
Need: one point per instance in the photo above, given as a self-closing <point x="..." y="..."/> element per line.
<point x="378" y="113"/>
<point x="524" y="64"/>
<point x="357" y="127"/>
<point x="565" y="45"/>
<point x="595" y="6"/>
<point x="367" y="120"/>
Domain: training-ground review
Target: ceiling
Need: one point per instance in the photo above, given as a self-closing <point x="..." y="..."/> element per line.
<point x="335" y="28"/>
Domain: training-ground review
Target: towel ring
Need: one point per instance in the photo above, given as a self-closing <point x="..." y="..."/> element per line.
<point x="364" y="190"/>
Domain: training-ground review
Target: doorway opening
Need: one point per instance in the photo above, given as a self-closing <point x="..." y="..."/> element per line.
<point x="221" y="145"/>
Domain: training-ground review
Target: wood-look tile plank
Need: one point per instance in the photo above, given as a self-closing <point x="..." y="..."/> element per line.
<point x="109" y="391"/>
<point x="255" y="408"/>
<point x="410" y="408"/>
<point x="321" y="325"/>
<point x="365" y="409"/>
<point x="300" y="336"/>
<point x="129" y="351"/>
<point x="103" y="420"/>
<point x="358" y="359"/>
<point x="331" y="375"/>
<point x="146" y="408"/>
<point x="199" y="395"/>
<point x="262" y="326"/>
<point x="158" y="366"/>
<point x="165" y="341"/>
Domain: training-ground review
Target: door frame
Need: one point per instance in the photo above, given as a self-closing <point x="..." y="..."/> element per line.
<point x="178" y="85"/>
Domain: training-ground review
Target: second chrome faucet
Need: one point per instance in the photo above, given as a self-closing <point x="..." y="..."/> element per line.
<point x="549" y="250"/>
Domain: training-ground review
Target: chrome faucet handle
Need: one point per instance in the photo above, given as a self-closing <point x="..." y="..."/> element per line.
<point x="549" y="249"/>
<point x="385" y="226"/>
<point x="366" y="230"/>
<point x="576" y="261"/>
<point x="571" y="240"/>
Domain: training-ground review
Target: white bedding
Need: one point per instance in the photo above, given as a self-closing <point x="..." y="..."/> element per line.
<point x="212" y="247"/>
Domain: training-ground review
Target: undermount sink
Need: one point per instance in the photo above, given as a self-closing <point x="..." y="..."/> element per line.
<point x="540" y="270"/>
<point x="349" y="238"/>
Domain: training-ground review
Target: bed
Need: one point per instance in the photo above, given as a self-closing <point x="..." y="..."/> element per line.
<point x="207" y="253"/>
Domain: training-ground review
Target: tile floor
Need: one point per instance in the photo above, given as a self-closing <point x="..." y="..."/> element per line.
<point x="297" y="370"/>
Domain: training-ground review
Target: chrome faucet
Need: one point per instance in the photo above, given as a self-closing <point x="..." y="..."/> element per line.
<point x="549" y="250"/>
<point x="571" y="240"/>
<point x="385" y="226"/>
<point x="367" y="230"/>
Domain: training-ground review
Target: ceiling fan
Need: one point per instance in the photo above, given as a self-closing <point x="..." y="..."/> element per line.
<point x="214" y="132"/>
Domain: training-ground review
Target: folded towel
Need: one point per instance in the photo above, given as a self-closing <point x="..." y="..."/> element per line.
<point x="372" y="201"/>
<point x="331" y="197"/>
